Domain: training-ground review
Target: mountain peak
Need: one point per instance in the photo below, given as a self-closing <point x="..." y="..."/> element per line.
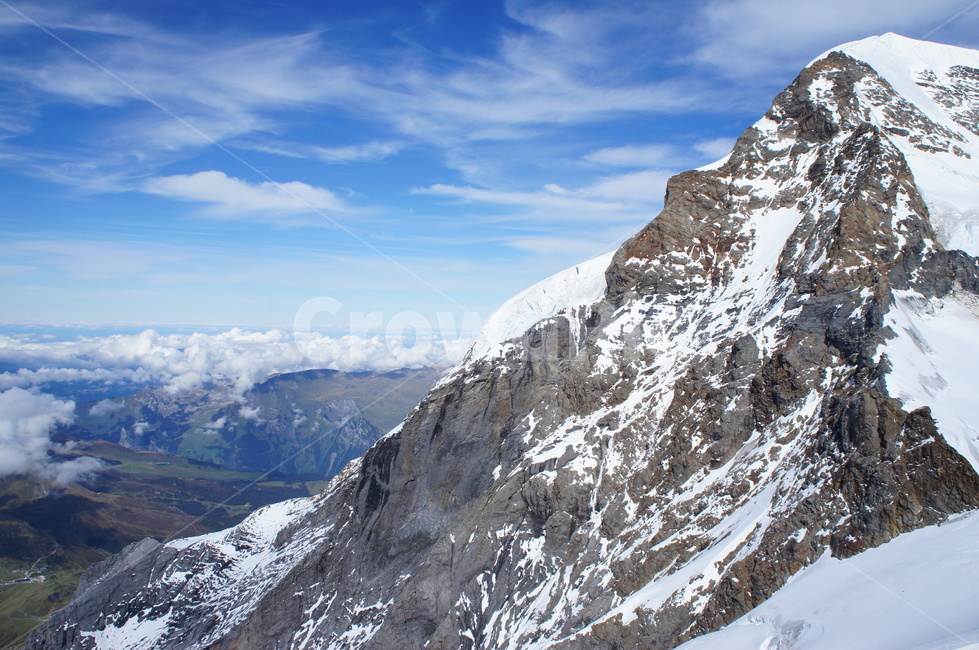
<point x="925" y="96"/>
<point x="771" y="369"/>
<point x="891" y="47"/>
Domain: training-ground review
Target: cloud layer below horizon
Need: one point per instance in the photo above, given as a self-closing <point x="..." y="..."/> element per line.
<point x="237" y="358"/>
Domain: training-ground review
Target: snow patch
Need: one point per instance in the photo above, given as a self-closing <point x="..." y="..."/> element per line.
<point x="946" y="179"/>
<point x="917" y="591"/>
<point x="579" y="285"/>
<point x="933" y="358"/>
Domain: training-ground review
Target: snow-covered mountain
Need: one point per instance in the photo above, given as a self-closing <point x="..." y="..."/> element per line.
<point x="916" y="591"/>
<point x="643" y="449"/>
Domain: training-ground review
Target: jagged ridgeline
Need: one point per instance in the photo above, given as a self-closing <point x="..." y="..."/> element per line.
<point x="645" y="447"/>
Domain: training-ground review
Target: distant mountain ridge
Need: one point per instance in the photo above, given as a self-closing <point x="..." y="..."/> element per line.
<point x="772" y="370"/>
<point x="308" y="422"/>
<point x="303" y="426"/>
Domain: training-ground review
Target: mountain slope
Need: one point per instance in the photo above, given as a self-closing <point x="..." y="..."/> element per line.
<point x="50" y="534"/>
<point x="917" y="591"/>
<point x="655" y="457"/>
<point x="307" y="422"/>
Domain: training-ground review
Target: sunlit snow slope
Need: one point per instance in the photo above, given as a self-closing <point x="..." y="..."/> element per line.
<point x="935" y="124"/>
<point x="917" y="591"/>
<point x="582" y="284"/>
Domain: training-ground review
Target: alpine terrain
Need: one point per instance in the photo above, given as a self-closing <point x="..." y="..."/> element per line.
<point x="775" y="375"/>
<point x="307" y="422"/>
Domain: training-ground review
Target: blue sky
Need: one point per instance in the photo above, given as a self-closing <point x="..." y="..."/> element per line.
<point x="223" y="163"/>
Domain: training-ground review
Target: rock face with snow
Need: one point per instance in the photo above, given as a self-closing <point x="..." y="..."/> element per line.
<point x="771" y="370"/>
<point x="917" y="591"/>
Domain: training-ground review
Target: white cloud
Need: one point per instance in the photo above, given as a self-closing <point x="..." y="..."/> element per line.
<point x="217" y="425"/>
<point x="26" y="421"/>
<point x="562" y="66"/>
<point x="649" y="155"/>
<point x="238" y="358"/>
<point x="106" y="406"/>
<point x="660" y="156"/>
<point x="76" y="469"/>
<point x="31" y="377"/>
<point x="561" y="202"/>
<point x="644" y="187"/>
<point x="12" y="270"/>
<point x="251" y="413"/>
<point x="92" y="260"/>
<point x="593" y="218"/>
<point x="579" y="247"/>
<point x="233" y="197"/>
<point x="366" y="152"/>
<point x="715" y="149"/>
<point x="215" y="78"/>
<point x="176" y="95"/>
<point x="381" y="353"/>
<point x="620" y="197"/>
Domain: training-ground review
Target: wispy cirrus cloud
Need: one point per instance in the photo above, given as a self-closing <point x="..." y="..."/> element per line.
<point x="716" y="148"/>
<point x="548" y="73"/>
<point x="232" y="198"/>
<point x="166" y="96"/>
<point x="601" y="241"/>
<point x="556" y="65"/>
<point x="95" y="260"/>
<point x="230" y="78"/>
<point x="610" y="197"/>
<point x="544" y="128"/>
<point x="637" y="155"/>
<point x="367" y="152"/>
<point x="659" y="155"/>
<point x="593" y="218"/>
<point x="13" y="270"/>
<point x="642" y="187"/>
<point x="552" y="201"/>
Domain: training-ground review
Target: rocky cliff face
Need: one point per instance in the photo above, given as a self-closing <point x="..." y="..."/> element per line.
<point x="754" y="384"/>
